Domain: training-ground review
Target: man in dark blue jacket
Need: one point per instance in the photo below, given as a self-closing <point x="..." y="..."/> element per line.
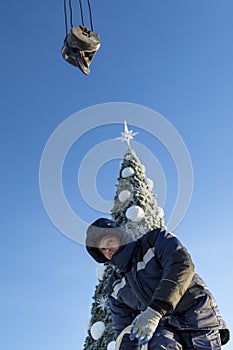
<point x="154" y="287"/>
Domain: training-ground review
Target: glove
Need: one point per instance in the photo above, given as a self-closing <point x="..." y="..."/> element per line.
<point x="144" y="325"/>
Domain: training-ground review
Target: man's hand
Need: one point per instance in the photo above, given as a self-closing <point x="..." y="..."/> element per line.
<point x="144" y="325"/>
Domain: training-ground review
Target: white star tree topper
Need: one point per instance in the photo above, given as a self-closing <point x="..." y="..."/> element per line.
<point x="127" y="135"/>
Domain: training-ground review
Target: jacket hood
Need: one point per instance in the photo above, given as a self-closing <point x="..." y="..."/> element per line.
<point x="99" y="229"/>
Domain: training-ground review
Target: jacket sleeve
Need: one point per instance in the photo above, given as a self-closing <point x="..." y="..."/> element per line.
<point x="177" y="266"/>
<point x="122" y="317"/>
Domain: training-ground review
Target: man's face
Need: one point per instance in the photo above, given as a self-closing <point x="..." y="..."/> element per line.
<point x="109" y="246"/>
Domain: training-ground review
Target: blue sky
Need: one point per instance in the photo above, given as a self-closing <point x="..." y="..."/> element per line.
<point x="172" y="56"/>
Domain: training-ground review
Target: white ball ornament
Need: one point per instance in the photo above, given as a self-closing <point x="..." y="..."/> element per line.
<point x="124" y="195"/>
<point x="150" y="183"/>
<point x="135" y="213"/>
<point x="111" y="345"/>
<point x="100" y="271"/>
<point x="143" y="168"/>
<point x="160" y="212"/>
<point x="127" y="172"/>
<point x="97" y="330"/>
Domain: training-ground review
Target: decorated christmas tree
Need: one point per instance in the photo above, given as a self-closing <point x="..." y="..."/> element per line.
<point x="136" y="209"/>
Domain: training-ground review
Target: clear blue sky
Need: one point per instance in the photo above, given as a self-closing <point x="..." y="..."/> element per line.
<point x="173" y="56"/>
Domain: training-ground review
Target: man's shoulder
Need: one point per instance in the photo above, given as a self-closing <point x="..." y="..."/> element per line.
<point x="151" y="235"/>
<point x="153" y="238"/>
<point x="157" y="233"/>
